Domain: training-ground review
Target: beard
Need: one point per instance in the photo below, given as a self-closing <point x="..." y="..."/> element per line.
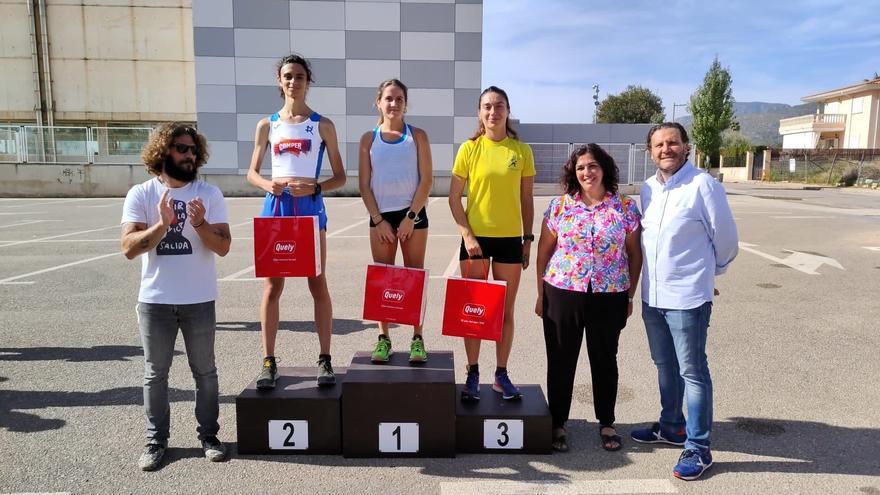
<point x="185" y="171"/>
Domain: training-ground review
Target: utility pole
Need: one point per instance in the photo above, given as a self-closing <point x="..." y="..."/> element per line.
<point x="674" y="106"/>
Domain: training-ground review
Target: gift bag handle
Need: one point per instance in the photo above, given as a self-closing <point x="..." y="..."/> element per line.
<point x="277" y="201"/>
<point x="485" y="263"/>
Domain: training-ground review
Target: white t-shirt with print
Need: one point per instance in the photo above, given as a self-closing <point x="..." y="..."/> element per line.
<point x="180" y="270"/>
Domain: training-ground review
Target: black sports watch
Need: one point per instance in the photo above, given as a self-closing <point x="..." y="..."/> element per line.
<point x="412" y="215"/>
<point x="317" y="189"/>
<point x="529" y="237"/>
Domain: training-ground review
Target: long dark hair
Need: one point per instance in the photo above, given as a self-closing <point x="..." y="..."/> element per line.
<point x="293" y="58"/>
<point x="610" y="174"/>
<point x="482" y="130"/>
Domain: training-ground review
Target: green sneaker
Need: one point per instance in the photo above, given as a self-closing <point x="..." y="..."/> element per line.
<point x="417" y="353"/>
<point x="382" y="352"/>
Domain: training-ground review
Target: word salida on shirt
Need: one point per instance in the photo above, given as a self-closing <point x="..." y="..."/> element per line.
<point x="293" y="146"/>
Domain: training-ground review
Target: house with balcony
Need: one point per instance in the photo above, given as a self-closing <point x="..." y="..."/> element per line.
<point x="847" y="117"/>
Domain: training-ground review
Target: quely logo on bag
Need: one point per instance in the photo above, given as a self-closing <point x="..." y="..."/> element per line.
<point x="285" y="247"/>
<point x="471" y="309"/>
<point x="394" y="295"/>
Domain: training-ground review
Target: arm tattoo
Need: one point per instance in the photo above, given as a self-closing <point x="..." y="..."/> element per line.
<point x="221" y="233"/>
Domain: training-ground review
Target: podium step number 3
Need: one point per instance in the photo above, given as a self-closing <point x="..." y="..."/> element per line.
<point x="503" y="434"/>
<point x="288" y="434"/>
<point x="398" y="437"/>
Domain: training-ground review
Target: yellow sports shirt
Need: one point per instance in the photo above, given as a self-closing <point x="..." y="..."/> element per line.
<point x="494" y="171"/>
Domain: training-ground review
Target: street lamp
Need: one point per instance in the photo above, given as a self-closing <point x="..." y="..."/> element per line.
<point x="595" y="102"/>
<point x="674" y="105"/>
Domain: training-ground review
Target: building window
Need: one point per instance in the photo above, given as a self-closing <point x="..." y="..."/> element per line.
<point x="857" y="105"/>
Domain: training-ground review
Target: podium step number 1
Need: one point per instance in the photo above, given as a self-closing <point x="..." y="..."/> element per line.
<point x="398" y="437"/>
<point x="287" y="434"/>
<point x="503" y="434"/>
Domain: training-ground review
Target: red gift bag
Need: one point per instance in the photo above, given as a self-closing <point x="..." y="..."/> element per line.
<point x="395" y="294"/>
<point x="287" y="247"/>
<point x="474" y="308"/>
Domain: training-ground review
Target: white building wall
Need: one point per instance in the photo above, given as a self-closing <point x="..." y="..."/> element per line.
<point x="800" y="140"/>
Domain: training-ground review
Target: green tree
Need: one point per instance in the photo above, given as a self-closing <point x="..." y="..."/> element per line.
<point x="734" y="146"/>
<point x="712" y="109"/>
<point x="635" y="105"/>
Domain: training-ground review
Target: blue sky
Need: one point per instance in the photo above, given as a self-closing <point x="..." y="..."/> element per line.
<point x="547" y="54"/>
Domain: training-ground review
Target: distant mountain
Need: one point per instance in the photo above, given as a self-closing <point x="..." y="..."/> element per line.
<point x="759" y="121"/>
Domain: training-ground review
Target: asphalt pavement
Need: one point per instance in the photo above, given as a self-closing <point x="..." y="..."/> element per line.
<point x="793" y="350"/>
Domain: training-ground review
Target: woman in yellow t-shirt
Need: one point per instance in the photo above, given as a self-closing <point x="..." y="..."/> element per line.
<point x="498" y="170"/>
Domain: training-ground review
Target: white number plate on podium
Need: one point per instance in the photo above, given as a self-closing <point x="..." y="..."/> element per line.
<point x="288" y="434"/>
<point x="398" y="437"/>
<point x="503" y="434"/>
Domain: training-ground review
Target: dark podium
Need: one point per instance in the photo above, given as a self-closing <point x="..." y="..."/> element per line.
<point x="504" y="426"/>
<point x="297" y="417"/>
<point x="396" y="409"/>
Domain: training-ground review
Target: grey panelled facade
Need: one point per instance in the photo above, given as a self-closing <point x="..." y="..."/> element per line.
<point x="434" y="46"/>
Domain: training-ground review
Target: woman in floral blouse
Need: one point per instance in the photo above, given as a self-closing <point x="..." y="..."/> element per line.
<point x="588" y="265"/>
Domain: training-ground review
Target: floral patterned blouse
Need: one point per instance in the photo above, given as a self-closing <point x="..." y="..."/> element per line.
<point x="590" y="252"/>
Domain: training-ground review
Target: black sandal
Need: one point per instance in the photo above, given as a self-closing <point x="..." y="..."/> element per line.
<point x="611" y="442"/>
<point x="559" y="442"/>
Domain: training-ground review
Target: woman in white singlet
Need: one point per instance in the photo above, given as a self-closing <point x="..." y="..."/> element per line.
<point x="395" y="179"/>
<point x="297" y="138"/>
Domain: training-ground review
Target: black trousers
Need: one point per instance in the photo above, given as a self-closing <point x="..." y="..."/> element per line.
<point x="568" y="316"/>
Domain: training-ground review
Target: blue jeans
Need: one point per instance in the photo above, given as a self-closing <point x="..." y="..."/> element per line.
<point x="677" y="338"/>
<point x="158" y="326"/>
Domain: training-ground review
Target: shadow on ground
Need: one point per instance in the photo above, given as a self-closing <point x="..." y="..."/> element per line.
<point x="340" y="326"/>
<point x="14" y="403"/>
<point x="73" y="354"/>
<point x="785" y="447"/>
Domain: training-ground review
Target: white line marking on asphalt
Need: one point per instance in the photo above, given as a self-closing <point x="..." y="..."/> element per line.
<point x="343" y="229"/>
<point x="452" y="267"/>
<point x="803" y="262"/>
<point x="18" y="283"/>
<point x="16" y="243"/>
<point x="52" y="269"/>
<point x="601" y="487"/>
<point x="434" y="200"/>
<point x="57" y="201"/>
<point x="21" y="223"/>
<point x="22" y="213"/>
<point x="234" y="276"/>
<point x="801" y="217"/>
<point x="100" y="206"/>
<point x="59" y="241"/>
<point x="872" y="248"/>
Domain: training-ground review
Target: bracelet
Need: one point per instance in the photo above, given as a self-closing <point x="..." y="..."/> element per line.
<point x="199" y="225"/>
<point x="630" y="299"/>
<point x="377" y="223"/>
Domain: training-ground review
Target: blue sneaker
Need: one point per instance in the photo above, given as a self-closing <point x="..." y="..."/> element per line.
<point x="655" y="435"/>
<point x="471" y="390"/>
<point x="504" y="387"/>
<point x="692" y="464"/>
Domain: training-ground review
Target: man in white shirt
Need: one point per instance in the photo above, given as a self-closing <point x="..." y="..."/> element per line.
<point x="688" y="237"/>
<point x="178" y="223"/>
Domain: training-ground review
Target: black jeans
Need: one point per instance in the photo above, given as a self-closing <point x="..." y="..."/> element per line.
<point x="568" y="316"/>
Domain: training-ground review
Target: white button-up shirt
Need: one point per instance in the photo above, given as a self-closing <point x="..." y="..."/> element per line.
<point x="688" y="237"/>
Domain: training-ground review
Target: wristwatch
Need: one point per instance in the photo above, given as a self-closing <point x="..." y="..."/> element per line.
<point x="412" y="216"/>
<point x="529" y="237"/>
<point x="317" y="189"/>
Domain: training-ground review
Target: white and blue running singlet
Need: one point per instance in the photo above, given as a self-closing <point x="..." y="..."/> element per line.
<point x="297" y="149"/>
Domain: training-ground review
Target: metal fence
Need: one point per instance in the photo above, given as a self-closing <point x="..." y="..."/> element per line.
<point x="63" y="144"/>
<point x="824" y="166"/>
<point x="633" y="160"/>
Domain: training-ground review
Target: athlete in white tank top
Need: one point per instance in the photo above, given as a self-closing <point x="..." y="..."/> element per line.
<point x="395" y="174"/>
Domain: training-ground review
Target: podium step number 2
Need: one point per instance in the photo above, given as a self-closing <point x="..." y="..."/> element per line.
<point x="398" y="437"/>
<point x="503" y="434"/>
<point x="288" y="434"/>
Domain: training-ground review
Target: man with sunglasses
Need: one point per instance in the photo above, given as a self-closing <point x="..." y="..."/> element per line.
<point x="179" y="223"/>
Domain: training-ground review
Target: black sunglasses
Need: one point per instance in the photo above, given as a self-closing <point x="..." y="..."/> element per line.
<point x="183" y="148"/>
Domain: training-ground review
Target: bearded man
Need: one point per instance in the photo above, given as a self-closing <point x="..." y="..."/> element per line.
<point x="179" y="223"/>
